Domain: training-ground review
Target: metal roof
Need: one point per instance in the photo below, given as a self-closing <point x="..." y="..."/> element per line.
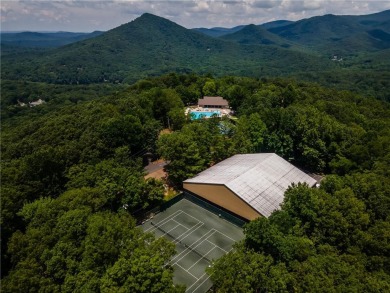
<point x="213" y="101"/>
<point x="258" y="179"/>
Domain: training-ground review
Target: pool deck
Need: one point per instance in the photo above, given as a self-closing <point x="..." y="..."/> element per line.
<point x="197" y="109"/>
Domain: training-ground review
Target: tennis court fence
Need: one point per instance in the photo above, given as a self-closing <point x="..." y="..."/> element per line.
<point x="140" y="216"/>
<point x="222" y="213"/>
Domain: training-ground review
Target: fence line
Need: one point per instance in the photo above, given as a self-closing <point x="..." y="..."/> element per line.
<point x="141" y="216"/>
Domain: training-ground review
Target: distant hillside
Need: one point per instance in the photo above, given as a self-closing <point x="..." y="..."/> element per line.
<point x="152" y="45"/>
<point x="276" y="23"/>
<point x="15" y="50"/>
<point x="374" y="19"/>
<point x="223" y="31"/>
<point x="218" y="31"/>
<point x="44" y="40"/>
<point x="333" y="34"/>
<point x="256" y="35"/>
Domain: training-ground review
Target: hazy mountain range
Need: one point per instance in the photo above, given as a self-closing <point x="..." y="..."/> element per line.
<point x="151" y="45"/>
<point x="44" y="39"/>
<point x="221" y="31"/>
<point x="349" y="33"/>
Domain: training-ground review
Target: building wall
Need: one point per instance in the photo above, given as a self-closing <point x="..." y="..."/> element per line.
<point x="222" y="196"/>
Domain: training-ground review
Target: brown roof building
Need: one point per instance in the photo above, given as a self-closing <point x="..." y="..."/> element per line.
<point x="213" y="102"/>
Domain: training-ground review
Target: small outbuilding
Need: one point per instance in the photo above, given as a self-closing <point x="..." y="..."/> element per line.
<point x="36" y="103"/>
<point x="213" y="102"/>
<point x="248" y="185"/>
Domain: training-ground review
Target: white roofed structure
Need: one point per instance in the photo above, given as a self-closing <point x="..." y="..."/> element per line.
<point x="249" y="185"/>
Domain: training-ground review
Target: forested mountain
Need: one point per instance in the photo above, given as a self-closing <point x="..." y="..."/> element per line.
<point x="151" y="45"/>
<point x="218" y="31"/>
<point x="222" y="31"/>
<point x="72" y="181"/>
<point x="256" y="35"/>
<point x="335" y="34"/>
<point x="18" y="50"/>
<point x="328" y="34"/>
<point x="276" y="23"/>
<point x="44" y="40"/>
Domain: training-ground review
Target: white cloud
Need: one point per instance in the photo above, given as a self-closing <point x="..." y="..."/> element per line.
<point x="313" y="4"/>
<point x="81" y="15"/>
<point x="265" y="3"/>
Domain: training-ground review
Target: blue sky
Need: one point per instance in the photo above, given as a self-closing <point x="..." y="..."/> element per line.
<point x="87" y="16"/>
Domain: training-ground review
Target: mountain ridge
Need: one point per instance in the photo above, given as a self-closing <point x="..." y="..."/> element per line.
<point x="218" y="31"/>
<point x="276" y="23"/>
<point x="255" y="35"/>
<point x="152" y="45"/>
<point x="344" y="34"/>
<point x="44" y="39"/>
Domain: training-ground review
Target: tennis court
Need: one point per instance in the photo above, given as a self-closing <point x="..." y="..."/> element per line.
<point x="200" y="237"/>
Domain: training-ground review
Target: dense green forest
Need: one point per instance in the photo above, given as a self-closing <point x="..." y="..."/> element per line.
<point x="351" y="33"/>
<point x="72" y="179"/>
<point x="153" y="46"/>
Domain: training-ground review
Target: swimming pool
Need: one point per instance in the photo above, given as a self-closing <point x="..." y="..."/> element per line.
<point x="195" y="115"/>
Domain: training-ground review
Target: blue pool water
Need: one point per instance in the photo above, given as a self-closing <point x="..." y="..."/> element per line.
<point x="195" y="115"/>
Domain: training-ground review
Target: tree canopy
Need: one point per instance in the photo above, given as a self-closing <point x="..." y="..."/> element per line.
<point x="72" y="177"/>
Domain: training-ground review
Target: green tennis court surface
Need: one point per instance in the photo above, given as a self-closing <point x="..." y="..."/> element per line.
<point x="200" y="237"/>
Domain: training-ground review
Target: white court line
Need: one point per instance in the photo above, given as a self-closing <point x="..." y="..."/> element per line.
<point x="191" y="246"/>
<point x="197" y="282"/>
<point x="188" y="230"/>
<point x="199" y="279"/>
<point x="214" y="229"/>
<point x="203" y="257"/>
<point x="183" y="212"/>
<point x="217" y="246"/>
<point x="187" y="272"/>
<point x="181" y="224"/>
<point x="189" y="249"/>
<point x="170" y="230"/>
<point x="177" y="237"/>
<point x="192" y="216"/>
<point x="193" y="230"/>
<point x="163" y="221"/>
<point x="225" y="235"/>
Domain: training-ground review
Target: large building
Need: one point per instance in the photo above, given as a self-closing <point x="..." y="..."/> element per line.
<point x="248" y="185"/>
<point x="213" y="102"/>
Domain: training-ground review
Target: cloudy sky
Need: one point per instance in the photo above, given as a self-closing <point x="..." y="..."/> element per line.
<point x="87" y="16"/>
